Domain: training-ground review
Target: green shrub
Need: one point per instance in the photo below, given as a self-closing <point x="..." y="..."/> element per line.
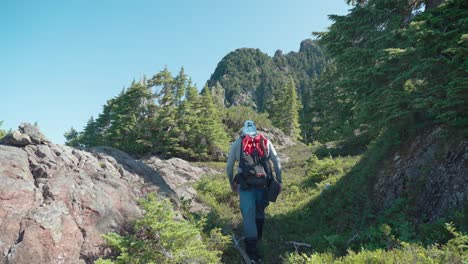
<point x="215" y="191"/>
<point x="160" y="237"/>
<point x="319" y="170"/>
<point x="455" y="251"/>
<point x="2" y="132"/>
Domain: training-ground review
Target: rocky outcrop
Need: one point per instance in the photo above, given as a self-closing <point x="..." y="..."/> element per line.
<point x="57" y="201"/>
<point x="179" y="176"/>
<point x="278" y="138"/>
<point x="25" y="135"/>
<point x="431" y="171"/>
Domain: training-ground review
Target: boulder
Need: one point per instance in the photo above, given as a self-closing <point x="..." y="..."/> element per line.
<point x="16" y="138"/>
<point x="179" y="176"/>
<point x="33" y="132"/>
<point x="278" y="138"/>
<point x="26" y="134"/>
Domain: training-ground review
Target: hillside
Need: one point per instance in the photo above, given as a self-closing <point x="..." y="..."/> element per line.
<point x="251" y="78"/>
<point x="397" y="196"/>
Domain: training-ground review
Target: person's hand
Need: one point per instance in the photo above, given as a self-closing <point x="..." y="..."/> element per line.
<point x="234" y="187"/>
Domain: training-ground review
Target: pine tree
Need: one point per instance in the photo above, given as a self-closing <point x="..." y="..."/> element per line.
<point x="166" y="127"/>
<point x="180" y="86"/>
<point x="91" y="136"/>
<point x="292" y="110"/>
<point x="189" y="122"/>
<point x="72" y="138"/>
<point x="124" y="122"/>
<point x="212" y="138"/>
<point x="285" y="109"/>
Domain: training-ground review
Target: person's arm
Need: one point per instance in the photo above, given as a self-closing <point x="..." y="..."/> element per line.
<point x="276" y="161"/>
<point x="235" y="148"/>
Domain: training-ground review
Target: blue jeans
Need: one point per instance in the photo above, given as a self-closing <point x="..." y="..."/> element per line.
<point x="253" y="202"/>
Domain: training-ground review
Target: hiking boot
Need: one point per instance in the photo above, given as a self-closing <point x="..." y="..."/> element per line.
<point x="260" y="222"/>
<point x="251" y="249"/>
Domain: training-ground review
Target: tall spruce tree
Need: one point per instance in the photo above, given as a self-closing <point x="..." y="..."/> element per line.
<point x="180" y="83"/>
<point x="166" y="127"/>
<point x="285" y="109"/>
<point x="189" y="122"/>
<point x="123" y="123"/>
<point x="72" y="137"/>
<point x="212" y="138"/>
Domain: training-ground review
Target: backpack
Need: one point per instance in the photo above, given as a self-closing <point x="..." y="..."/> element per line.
<point x="254" y="164"/>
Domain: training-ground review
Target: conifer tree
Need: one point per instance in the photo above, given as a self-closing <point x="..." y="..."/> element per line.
<point x="72" y="137"/>
<point x="285" y="109"/>
<point x="180" y="86"/>
<point x="292" y="105"/>
<point x="91" y="136"/>
<point x="398" y="66"/>
<point x="167" y="131"/>
<point x="189" y="122"/>
<point x="212" y="137"/>
<point x="123" y="123"/>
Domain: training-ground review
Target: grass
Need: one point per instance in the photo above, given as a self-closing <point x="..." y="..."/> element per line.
<point x="298" y="192"/>
<point x="327" y="203"/>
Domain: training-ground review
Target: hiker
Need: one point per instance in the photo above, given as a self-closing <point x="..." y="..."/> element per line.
<point x="253" y="152"/>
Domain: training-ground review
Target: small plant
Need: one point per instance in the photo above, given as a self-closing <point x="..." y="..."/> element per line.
<point x="160" y="237"/>
<point x="102" y="164"/>
<point x="2" y="132"/>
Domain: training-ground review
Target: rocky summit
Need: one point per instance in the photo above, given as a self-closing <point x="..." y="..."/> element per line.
<point x="57" y="201"/>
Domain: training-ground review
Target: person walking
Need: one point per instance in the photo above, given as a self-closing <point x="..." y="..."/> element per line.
<point x="254" y="174"/>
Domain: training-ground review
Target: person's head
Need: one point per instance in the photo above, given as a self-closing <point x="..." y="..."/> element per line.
<point x="249" y="128"/>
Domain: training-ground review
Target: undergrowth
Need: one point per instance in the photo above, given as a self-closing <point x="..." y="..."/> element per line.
<point x="329" y="204"/>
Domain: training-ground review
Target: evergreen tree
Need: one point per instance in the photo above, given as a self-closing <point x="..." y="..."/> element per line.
<point x="72" y="138"/>
<point x="293" y="106"/>
<point x="189" y="122"/>
<point x="285" y="109"/>
<point x="212" y="138"/>
<point x="331" y="108"/>
<point x="91" y="135"/>
<point x="166" y="127"/>
<point x="122" y="124"/>
<point x="180" y="86"/>
<point x="398" y="66"/>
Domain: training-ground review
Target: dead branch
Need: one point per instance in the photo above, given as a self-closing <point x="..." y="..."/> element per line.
<point x="298" y="244"/>
<point x="239" y="248"/>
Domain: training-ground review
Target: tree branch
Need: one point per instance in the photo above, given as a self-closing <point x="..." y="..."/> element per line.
<point x="298" y="244"/>
<point x="238" y="247"/>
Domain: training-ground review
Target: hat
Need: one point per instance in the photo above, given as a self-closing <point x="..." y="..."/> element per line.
<point x="249" y="128"/>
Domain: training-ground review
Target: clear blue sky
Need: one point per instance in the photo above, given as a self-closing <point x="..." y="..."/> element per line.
<point x="61" y="60"/>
